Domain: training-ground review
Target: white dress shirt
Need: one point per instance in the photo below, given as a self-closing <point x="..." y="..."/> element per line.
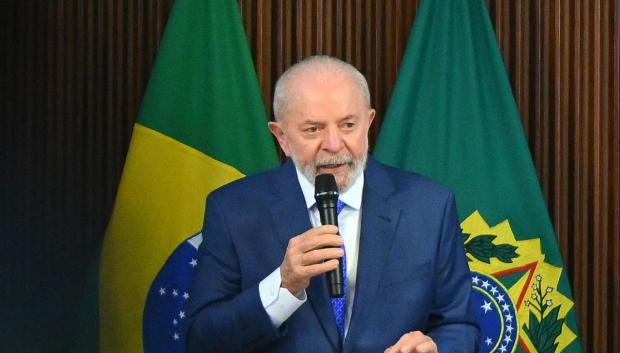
<point x="279" y="303"/>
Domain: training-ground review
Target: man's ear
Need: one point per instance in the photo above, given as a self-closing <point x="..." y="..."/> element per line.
<point x="371" y="116"/>
<point x="278" y="132"/>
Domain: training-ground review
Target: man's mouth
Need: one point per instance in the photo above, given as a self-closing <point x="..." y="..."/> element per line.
<point x="332" y="166"/>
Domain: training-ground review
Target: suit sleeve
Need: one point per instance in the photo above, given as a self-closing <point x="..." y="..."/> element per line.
<point x="224" y="316"/>
<point x="453" y="325"/>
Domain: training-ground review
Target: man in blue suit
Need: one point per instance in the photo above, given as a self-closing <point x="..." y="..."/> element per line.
<point x="260" y="285"/>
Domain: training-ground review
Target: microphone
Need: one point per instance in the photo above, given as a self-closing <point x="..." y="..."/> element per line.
<point x="326" y="196"/>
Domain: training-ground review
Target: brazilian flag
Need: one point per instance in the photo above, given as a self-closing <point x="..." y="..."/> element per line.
<point x="453" y="118"/>
<point x="202" y="124"/>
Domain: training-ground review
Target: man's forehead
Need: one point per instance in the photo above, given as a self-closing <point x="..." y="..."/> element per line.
<point x="302" y="112"/>
<point x="322" y="97"/>
<point x="315" y="93"/>
<point x="321" y="120"/>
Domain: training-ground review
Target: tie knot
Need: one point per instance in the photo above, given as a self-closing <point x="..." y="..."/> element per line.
<point x="339" y="206"/>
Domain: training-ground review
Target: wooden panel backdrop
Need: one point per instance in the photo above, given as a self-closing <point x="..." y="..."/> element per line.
<point x="73" y="73"/>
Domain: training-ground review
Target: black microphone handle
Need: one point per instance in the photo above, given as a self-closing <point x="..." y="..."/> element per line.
<point x="328" y="213"/>
<point x="335" y="281"/>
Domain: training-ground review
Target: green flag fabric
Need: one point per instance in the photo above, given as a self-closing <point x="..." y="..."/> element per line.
<point x="202" y="124"/>
<point x="453" y="118"/>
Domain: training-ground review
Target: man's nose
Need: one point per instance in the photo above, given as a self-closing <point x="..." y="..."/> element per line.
<point x="332" y="142"/>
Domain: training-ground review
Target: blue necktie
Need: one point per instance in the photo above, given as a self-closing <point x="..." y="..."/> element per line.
<point x="339" y="305"/>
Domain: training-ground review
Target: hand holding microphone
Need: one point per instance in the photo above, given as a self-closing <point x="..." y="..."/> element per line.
<point x="317" y="250"/>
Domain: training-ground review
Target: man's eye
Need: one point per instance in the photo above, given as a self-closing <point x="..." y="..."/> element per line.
<point x="311" y="129"/>
<point x="349" y="125"/>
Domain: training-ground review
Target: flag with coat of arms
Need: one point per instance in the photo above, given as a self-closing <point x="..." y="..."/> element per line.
<point x="453" y="118"/>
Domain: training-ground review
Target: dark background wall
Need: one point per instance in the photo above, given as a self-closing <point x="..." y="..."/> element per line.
<point x="72" y="74"/>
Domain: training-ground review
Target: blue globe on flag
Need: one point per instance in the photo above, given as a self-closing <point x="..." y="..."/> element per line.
<point x="496" y="314"/>
<point x="165" y="311"/>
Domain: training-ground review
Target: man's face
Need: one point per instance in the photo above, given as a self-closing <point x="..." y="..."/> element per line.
<point x="325" y="128"/>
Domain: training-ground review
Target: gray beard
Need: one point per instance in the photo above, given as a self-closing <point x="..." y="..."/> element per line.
<point x="357" y="167"/>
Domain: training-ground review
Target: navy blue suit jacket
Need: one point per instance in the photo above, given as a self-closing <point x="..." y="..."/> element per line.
<point x="412" y="272"/>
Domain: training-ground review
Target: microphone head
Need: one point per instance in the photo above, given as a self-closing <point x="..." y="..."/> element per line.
<point x="325" y="188"/>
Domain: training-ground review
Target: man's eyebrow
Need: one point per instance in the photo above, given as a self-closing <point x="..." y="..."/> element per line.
<point x="315" y="122"/>
<point x="350" y="116"/>
<point x="311" y="122"/>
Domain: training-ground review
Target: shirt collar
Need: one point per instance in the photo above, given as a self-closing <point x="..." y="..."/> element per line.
<point x="352" y="197"/>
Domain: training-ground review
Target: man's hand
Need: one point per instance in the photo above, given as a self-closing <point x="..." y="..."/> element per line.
<point x="413" y="342"/>
<point x="309" y="254"/>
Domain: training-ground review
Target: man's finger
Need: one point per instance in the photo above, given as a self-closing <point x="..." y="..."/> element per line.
<point x="317" y="241"/>
<point x="317" y="269"/>
<point x="324" y="229"/>
<point x="320" y="255"/>
<point x="426" y="347"/>
<point x="413" y="342"/>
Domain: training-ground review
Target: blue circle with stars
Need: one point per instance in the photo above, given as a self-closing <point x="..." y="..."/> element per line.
<point x="496" y="314"/>
<point x="165" y="309"/>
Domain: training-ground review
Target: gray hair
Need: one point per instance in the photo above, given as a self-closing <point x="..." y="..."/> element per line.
<point x="318" y="64"/>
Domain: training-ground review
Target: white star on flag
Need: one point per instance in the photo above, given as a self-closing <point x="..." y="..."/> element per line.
<point x="486" y="306"/>
<point x="165" y="312"/>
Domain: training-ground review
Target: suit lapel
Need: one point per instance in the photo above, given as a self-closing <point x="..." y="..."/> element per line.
<point x="379" y="220"/>
<point x="320" y="302"/>
<point x="290" y="218"/>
